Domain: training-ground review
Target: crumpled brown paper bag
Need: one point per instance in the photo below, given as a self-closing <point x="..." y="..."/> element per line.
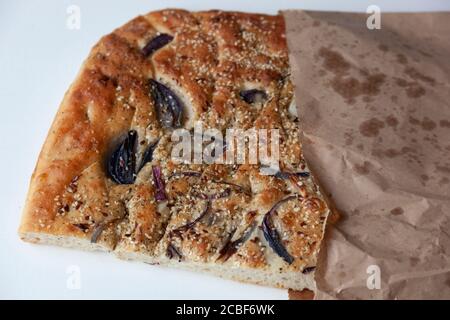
<point x="375" y="111"/>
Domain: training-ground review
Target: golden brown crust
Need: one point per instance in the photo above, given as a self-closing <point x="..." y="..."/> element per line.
<point x="212" y="57"/>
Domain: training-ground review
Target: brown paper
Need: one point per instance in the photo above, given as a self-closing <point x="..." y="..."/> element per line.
<point x="375" y="111"/>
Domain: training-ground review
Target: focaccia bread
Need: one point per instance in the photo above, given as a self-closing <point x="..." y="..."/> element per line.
<point x="105" y="178"/>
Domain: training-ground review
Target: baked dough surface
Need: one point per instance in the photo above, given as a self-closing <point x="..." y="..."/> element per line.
<point x="213" y="56"/>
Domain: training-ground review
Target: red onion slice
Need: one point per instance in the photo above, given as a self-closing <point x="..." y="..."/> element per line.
<point x="160" y="194"/>
<point x="156" y="43"/>
<point x="122" y="162"/>
<point x="271" y="233"/>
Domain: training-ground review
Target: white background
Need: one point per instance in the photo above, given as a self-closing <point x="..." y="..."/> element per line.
<point x="39" y="58"/>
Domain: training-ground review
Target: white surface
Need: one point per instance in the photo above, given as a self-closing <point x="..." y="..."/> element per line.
<point x="39" y="57"/>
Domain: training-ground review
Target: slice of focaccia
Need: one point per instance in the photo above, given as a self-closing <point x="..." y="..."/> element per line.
<point x="106" y="178"/>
